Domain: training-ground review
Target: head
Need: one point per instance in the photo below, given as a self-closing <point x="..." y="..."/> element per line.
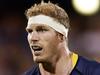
<point x="47" y="31"/>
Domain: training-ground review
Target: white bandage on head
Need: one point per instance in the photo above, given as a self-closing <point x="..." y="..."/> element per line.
<point x="46" y="20"/>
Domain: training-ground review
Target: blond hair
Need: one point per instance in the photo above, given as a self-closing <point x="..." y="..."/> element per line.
<point x="49" y="9"/>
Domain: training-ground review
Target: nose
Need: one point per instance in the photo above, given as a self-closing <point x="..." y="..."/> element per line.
<point x="34" y="37"/>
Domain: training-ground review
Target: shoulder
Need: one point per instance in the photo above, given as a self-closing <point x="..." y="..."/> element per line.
<point x="87" y="67"/>
<point x="88" y="63"/>
<point x="33" y="71"/>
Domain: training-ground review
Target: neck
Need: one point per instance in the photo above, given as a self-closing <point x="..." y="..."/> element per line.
<point x="62" y="66"/>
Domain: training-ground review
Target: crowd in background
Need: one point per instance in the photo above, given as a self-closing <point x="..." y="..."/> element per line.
<point x="85" y="36"/>
<point x="14" y="51"/>
<point x="15" y="54"/>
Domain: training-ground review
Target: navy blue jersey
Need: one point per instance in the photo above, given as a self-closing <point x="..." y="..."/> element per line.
<point x="82" y="67"/>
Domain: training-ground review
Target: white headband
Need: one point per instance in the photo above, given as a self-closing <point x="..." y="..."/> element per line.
<point x="46" y="20"/>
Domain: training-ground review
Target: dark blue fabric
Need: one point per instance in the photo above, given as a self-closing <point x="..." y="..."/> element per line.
<point x="86" y="67"/>
<point x="34" y="71"/>
<point x="83" y="67"/>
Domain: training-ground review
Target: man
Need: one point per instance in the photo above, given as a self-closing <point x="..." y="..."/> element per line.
<point x="47" y="29"/>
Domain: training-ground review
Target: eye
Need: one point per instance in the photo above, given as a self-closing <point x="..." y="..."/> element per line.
<point x="29" y="30"/>
<point x="42" y="29"/>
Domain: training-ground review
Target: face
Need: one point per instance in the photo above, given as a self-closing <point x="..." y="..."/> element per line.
<point x="43" y="41"/>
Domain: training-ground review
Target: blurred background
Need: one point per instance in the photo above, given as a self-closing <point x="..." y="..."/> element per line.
<point x="15" y="54"/>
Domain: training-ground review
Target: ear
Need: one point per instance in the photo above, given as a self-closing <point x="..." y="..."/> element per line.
<point x="60" y="37"/>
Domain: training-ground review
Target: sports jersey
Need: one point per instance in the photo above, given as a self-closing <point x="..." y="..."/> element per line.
<point x="82" y="66"/>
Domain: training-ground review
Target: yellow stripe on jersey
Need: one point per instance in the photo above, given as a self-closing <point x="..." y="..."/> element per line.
<point x="74" y="59"/>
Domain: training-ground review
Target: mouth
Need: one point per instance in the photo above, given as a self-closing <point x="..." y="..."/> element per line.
<point x="36" y="48"/>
